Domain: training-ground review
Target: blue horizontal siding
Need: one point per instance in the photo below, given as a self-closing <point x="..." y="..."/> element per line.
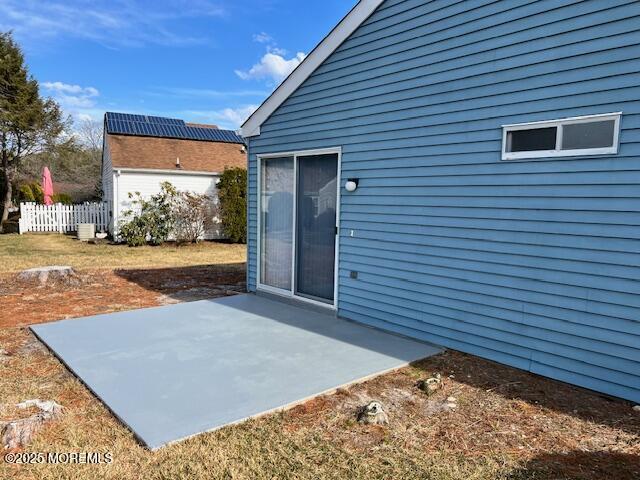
<point x="533" y="263"/>
<point x="521" y="23"/>
<point x="552" y="28"/>
<point x="252" y="222"/>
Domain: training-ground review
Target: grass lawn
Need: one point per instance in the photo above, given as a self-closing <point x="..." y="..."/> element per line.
<point x="111" y="277"/>
<point x="508" y="425"/>
<point x="19" y="252"/>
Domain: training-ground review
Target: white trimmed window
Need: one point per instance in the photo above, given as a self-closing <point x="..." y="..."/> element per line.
<point x="589" y="135"/>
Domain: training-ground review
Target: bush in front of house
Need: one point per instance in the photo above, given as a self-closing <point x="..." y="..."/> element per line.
<point x="150" y="220"/>
<point x="193" y="216"/>
<point x="186" y="216"/>
<point x="232" y="194"/>
<point x="134" y="231"/>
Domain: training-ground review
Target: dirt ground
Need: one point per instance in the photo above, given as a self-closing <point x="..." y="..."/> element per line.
<point x="508" y="424"/>
<point x="104" y="291"/>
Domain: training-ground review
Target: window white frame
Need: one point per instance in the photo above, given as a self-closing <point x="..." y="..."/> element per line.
<point x="558" y="152"/>
<point x="290" y="293"/>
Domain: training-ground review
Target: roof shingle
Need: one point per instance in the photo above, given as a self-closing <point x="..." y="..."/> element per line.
<point x="128" y="151"/>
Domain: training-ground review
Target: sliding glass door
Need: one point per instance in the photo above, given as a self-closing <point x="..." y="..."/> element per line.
<point x="298" y="204"/>
<point x="316" y="226"/>
<point x="276" y="236"/>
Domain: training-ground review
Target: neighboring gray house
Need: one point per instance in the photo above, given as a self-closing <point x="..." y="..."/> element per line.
<point x="487" y="158"/>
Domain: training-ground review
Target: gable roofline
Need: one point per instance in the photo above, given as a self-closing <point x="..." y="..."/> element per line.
<point x="342" y="31"/>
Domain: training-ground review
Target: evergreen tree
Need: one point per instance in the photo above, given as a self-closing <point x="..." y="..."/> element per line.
<point x="232" y="192"/>
<point x="29" y="124"/>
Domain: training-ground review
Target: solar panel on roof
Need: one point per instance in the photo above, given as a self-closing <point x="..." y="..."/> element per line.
<point x="162" y="120"/>
<point x="150" y="126"/>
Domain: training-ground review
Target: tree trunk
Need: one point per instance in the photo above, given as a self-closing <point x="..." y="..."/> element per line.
<point x="6" y="202"/>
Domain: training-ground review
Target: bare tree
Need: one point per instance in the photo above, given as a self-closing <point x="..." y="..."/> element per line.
<point x="89" y="133"/>
<point x="194" y="216"/>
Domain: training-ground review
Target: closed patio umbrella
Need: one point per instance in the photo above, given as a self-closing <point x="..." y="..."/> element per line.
<point x="47" y="186"/>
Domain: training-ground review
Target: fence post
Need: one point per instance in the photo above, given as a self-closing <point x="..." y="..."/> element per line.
<point x="28" y="217"/>
<point x="59" y="216"/>
<point x="21" y="219"/>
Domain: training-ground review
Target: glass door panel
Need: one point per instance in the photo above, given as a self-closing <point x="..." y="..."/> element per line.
<point x="276" y="221"/>
<point x="316" y="226"/>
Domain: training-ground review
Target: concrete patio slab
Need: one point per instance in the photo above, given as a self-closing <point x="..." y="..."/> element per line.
<point x="172" y="372"/>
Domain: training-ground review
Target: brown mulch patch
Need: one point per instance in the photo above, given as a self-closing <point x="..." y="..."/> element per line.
<point x="554" y="428"/>
<point x="104" y="291"/>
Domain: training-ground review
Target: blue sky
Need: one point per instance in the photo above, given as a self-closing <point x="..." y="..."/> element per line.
<point x="201" y="60"/>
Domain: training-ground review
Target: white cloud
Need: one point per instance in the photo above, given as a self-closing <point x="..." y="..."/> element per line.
<point x="205" y="93"/>
<point x="262" y="37"/>
<point x="237" y="116"/>
<point x="67" y="88"/>
<point x="276" y="50"/>
<point x="272" y="66"/>
<point x="113" y="23"/>
<point x="228" y="118"/>
<point x="75" y="100"/>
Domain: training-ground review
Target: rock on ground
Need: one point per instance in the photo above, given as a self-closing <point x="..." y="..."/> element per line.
<point x="431" y="385"/>
<point x="452" y="403"/>
<point x="44" y="275"/>
<point x="48" y="406"/>
<point x="18" y="433"/>
<point x="373" y="414"/>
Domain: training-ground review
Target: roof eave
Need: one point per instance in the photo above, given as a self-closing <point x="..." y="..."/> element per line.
<point x="342" y="31"/>
<point x="132" y="135"/>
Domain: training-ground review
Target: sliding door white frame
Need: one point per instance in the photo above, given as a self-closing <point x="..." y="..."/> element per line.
<point x="291" y="292"/>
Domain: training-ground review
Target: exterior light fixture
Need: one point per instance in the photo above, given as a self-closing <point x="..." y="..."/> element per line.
<point x="351" y="185"/>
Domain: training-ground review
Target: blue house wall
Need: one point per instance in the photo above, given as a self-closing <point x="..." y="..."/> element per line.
<point x="532" y="263"/>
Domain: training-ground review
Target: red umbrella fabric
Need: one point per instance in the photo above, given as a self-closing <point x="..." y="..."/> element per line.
<point x="47" y="186"/>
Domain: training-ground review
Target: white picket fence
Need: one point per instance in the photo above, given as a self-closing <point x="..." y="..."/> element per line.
<point x="62" y="218"/>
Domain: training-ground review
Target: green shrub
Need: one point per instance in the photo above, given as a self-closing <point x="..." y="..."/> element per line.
<point x="134" y="232"/>
<point x="38" y="194"/>
<point x="63" y="198"/>
<point x="151" y="220"/>
<point x="232" y="194"/>
<point x="25" y="194"/>
<point x="32" y="192"/>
